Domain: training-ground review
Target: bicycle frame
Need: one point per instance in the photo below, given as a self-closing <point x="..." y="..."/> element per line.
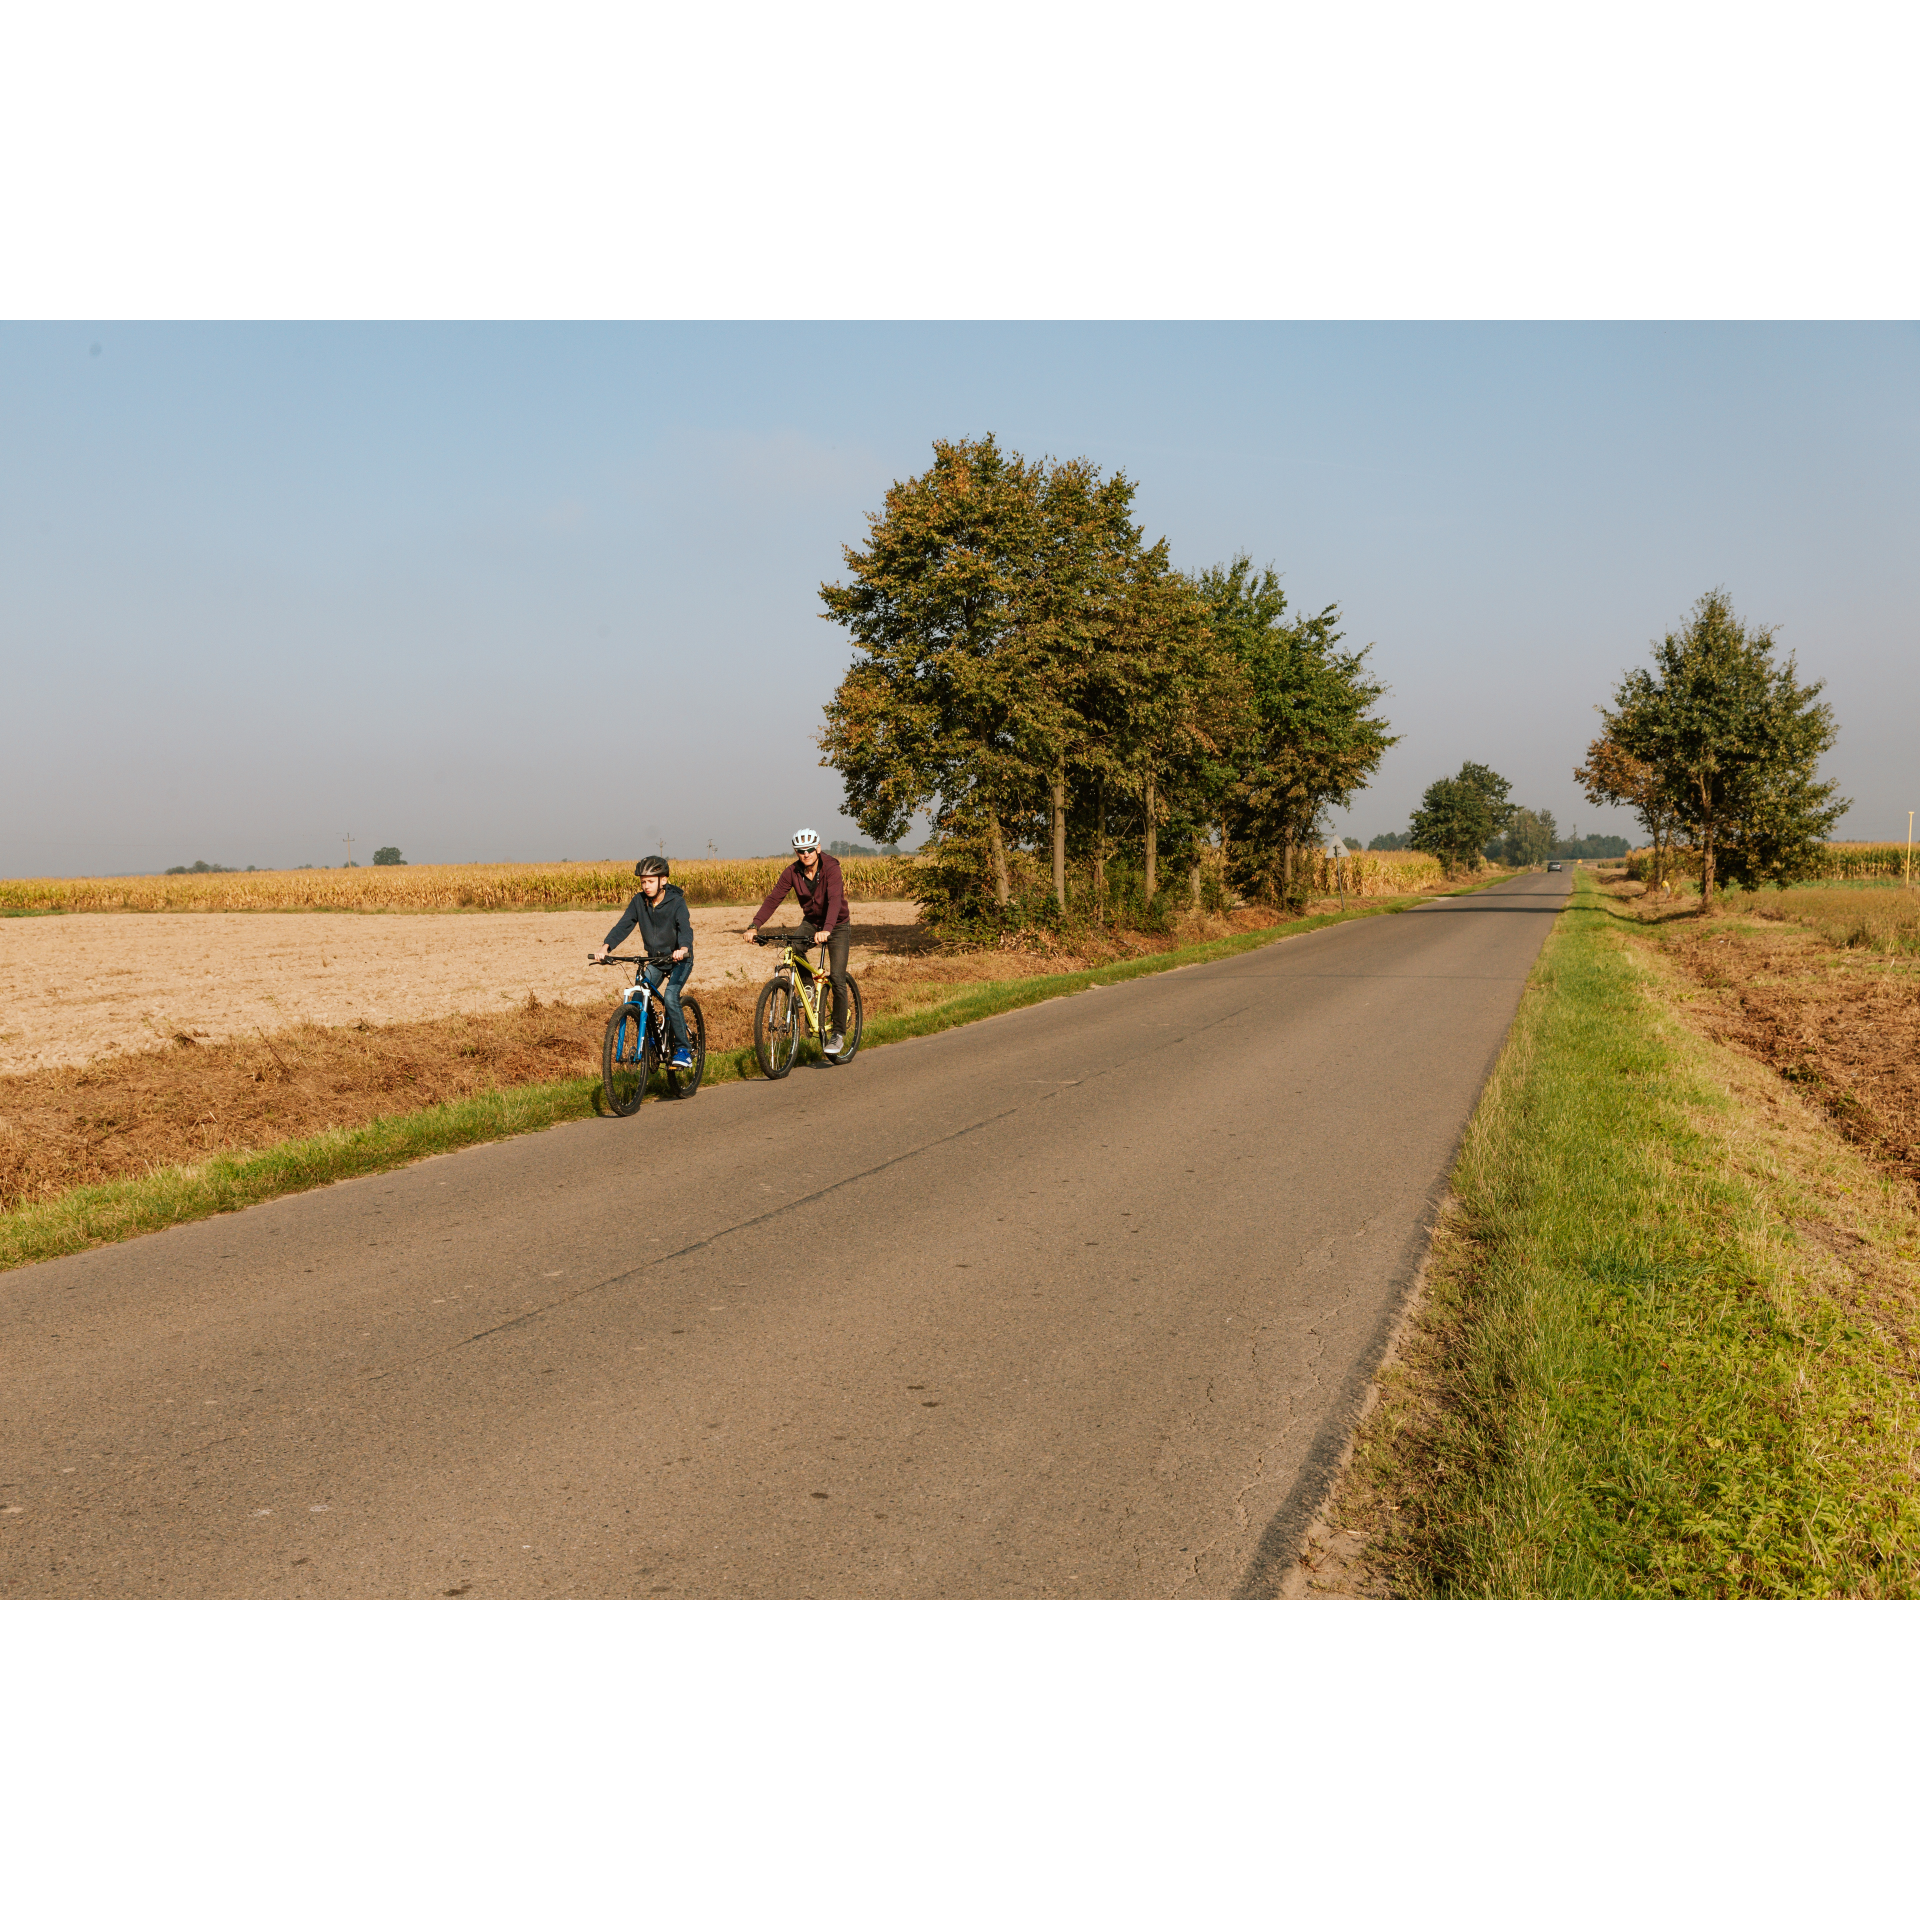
<point x="810" y="985"/>
<point x="654" y="1023"/>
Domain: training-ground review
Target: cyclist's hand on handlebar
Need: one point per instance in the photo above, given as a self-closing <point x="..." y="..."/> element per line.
<point x="679" y="953"/>
<point x="599" y="954"/>
<point x="751" y="936"/>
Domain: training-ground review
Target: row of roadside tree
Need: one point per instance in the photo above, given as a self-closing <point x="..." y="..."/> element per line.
<point x="1037" y="678"/>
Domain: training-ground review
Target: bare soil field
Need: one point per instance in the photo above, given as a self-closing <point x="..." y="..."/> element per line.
<point x="1814" y="1002"/>
<point x="76" y="988"/>
<point x="181" y="1092"/>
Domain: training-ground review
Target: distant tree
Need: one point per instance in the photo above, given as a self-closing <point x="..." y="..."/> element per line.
<point x="854" y="850"/>
<point x="1528" y="840"/>
<point x="387" y="857"/>
<point x="1351" y="844"/>
<point x="204" y="866"/>
<point x="1389" y="842"/>
<point x="1459" y="815"/>
<point x="1590" y="846"/>
<point x="1734" y="742"/>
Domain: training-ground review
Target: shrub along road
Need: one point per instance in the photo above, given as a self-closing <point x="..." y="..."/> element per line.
<point x="1081" y="1300"/>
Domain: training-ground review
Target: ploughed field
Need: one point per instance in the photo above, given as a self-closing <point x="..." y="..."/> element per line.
<point x="181" y="1036"/>
<point x="76" y="988"/>
<point x="1822" y="983"/>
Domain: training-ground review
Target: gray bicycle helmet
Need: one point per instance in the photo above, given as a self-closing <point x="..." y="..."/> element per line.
<point x="806" y="840"/>
<point x="653" y="863"/>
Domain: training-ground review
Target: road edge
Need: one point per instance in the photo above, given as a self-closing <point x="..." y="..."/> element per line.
<point x="1274" y="1571"/>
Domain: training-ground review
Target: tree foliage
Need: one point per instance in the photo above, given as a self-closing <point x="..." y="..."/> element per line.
<point x="1732" y="743"/>
<point x="1613" y="776"/>
<point x="1308" y="737"/>
<point x="1036" y="677"/>
<point x="1457" y="816"/>
<point x="1529" y="839"/>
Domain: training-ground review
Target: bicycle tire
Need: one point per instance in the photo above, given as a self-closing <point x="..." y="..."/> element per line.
<point x="684" y="1084"/>
<point x="776" y="1028"/>
<point x="850" y="1033"/>
<point x="625" y="1061"/>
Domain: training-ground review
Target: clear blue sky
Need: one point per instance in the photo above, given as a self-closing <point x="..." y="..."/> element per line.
<point x="540" y="592"/>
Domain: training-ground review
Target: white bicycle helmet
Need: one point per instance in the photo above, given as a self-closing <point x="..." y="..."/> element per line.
<point x="806" y="841"/>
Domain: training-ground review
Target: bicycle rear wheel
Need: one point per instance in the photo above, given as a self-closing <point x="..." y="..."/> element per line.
<point x="624" y="1061"/>
<point x="683" y="1085"/>
<point x="856" y="1022"/>
<point x="776" y="1027"/>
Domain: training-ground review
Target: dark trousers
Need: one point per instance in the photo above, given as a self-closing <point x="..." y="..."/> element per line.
<point x="668" y="977"/>
<point x="837" y="944"/>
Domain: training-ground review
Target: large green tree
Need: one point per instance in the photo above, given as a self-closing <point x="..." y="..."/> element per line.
<point x="1457" y="816"/>
<point x="1311" y="737"/>
<point x="929" y="716"/>
<point x="1733" y="741"/>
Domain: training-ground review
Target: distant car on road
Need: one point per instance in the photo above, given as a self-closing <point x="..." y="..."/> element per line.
<point x="1553" y="866"/>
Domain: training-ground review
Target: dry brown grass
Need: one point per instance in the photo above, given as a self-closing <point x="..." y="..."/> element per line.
<point x="1879" y="919"/>
<point x="480" y="889"/>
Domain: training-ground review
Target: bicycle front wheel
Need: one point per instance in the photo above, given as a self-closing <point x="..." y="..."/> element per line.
<point x="776" y="1028"/>
<point x="856" y="1020"/>
<point x="624" y="1061"/>
<point x="685" y="1083"/>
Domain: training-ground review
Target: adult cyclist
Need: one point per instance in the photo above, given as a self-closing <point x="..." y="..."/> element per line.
<point x="666" y="931"/>
<point x="814" y="880"/>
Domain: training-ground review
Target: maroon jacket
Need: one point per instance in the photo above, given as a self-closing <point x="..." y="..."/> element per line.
<point x="823" y="901"/>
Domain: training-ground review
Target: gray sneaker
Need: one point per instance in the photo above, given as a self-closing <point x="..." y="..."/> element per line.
<point x="835" y="1041"/>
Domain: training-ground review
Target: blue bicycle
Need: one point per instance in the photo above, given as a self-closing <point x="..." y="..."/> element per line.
<point x="639" y="1042"/>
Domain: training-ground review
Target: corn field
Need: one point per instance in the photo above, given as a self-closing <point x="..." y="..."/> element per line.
<point x="473" y="889"/>
<point x="1366" y="875"/>
<point x="1839" y="860"/>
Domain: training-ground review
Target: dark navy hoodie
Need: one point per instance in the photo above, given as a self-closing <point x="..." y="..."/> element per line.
<point x="663" y="925"/>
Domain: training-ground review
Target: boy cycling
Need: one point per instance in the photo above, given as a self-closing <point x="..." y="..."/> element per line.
<point x="666" y="931"/>
<point x="814" y="880"/>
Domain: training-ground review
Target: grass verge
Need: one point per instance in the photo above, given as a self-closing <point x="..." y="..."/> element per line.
<point x="93" y="1215"/>
<point x="1666" y="1346"/>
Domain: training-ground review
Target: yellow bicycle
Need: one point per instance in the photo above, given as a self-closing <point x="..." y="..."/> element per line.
<point x="795" y="1002"/>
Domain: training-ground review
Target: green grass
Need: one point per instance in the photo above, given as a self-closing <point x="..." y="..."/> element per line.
<point x="94" y="1215"/>
<point x="1636" y="1372"/>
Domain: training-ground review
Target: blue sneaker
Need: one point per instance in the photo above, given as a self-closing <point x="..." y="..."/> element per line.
<point x="682" y="1061"/>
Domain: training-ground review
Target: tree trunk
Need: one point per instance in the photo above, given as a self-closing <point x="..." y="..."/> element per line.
<point x="1100" y="860"/>
<point x="1060" y="832"/>
<point x="1153" y="843"/>
<point x="1195" y="879"/>
<point x="1706" y="850"/>
<point x="1286" y="866"/>
<point x="999" y="849"/>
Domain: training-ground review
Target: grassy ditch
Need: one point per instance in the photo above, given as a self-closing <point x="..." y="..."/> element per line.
<point x="1667" y="1345"/>
<point x="97" y="1212"/>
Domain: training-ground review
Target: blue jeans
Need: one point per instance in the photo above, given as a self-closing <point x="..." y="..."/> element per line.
<point x="675" y="978"/>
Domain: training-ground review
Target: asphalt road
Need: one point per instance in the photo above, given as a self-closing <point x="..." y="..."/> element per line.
<point x="1081" y="1300"/>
